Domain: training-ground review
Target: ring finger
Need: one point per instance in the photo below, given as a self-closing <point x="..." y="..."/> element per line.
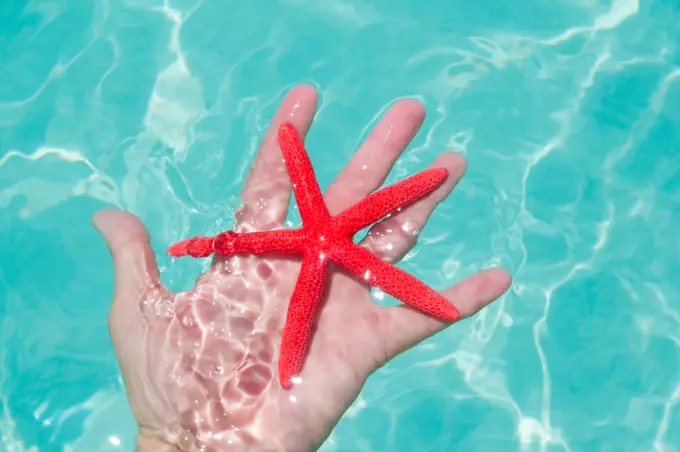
<point x="392" y="238"/>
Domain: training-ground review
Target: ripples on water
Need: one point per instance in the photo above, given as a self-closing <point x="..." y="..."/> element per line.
<point x="567" y="111"/>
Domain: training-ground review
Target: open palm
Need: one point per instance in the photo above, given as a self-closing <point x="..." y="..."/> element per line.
<point x="200" y="366"/>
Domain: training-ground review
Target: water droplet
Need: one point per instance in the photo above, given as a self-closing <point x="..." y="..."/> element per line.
<point x="377" y="294"/>
<point x="188" y="321"/>
<point x="186" y="440"/>
<point x="216" y="371"/>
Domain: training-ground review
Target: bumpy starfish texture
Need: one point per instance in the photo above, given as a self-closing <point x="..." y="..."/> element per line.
<point x="323" y="239"/>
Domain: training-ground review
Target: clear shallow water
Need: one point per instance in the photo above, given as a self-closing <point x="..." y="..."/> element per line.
<point x="568" y="113"/>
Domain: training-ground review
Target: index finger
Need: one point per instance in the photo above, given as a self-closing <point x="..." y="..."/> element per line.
<point x="266" y="192"/>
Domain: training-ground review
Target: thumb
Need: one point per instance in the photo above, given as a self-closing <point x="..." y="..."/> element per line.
<point x="134" y="262"/>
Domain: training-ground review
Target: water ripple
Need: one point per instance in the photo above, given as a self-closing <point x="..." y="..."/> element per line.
<point x="566" y="111"/>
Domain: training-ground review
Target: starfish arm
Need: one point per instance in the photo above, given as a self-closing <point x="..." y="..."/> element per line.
<point x="389" y="199"/>
<point x="299" y="318"/>
<point x="306" y="188"/>
<point x="394" y="281"/>
<point x="194" y="247"/>
<point x="230" y="243"/>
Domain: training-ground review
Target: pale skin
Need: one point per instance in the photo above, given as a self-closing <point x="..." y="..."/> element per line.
<point x="200" y="366"/>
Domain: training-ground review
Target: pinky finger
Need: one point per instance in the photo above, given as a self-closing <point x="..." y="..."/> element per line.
<point x="407" y="327"/>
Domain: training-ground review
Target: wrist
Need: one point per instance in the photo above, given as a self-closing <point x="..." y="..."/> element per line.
<point x="146" y="444"/>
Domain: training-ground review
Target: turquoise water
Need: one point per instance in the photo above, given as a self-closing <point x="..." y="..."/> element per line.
<point x="567" y="111"/>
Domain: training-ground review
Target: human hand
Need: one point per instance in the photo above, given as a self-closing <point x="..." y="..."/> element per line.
<point x="200" y="366"/>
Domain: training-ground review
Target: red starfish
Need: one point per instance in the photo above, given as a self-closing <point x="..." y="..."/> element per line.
<point x="322" y="239"/>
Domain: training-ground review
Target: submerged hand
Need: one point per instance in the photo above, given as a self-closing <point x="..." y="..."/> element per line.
<point x="200" y="366"/>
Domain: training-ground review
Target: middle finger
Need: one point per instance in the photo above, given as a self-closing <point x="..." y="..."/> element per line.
<point x="373" y="161"/>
